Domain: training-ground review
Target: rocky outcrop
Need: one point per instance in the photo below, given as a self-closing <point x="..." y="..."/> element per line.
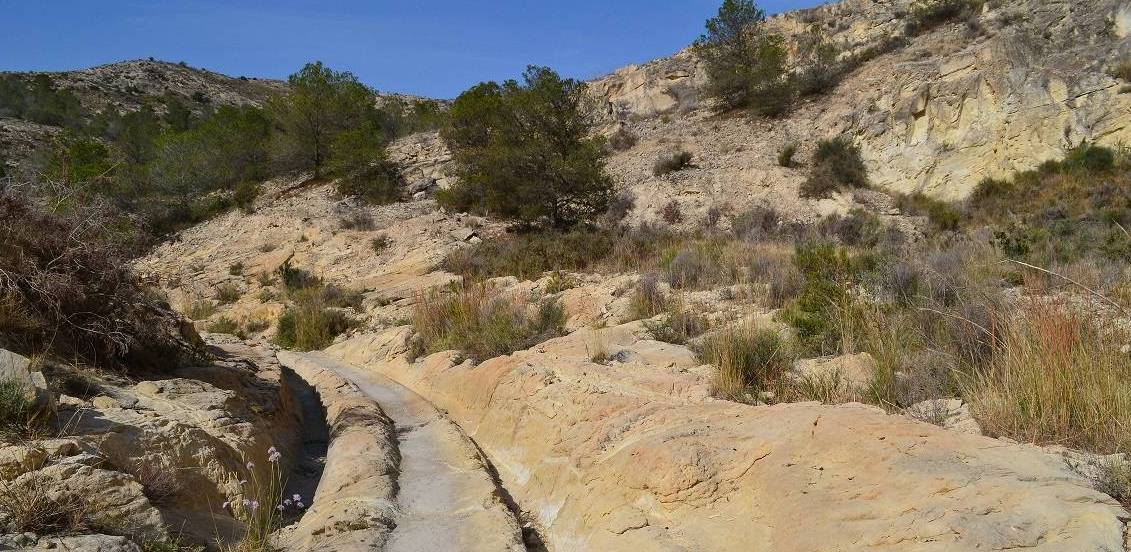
<point x="636" y="456"/>
<point x="156" y="454"/>
<point x="1016" y="85"/>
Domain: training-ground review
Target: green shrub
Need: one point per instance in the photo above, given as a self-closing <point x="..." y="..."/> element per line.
<point x="227" y="293"/>
<point x="255" y="325"/>
<point x="747" y="360"/>
<point x="511" y="141"/>
<point x="678" y="326"/>
<point x="671" y="162"/>
<point x="363" y="168"/>
<point x="357" y="220"/>
<point x="747" y="66"/>
<point x="817" y="56"/>
<point x="73" y="158"/>
<point x="529" y="255"/>
<point x="785" y="156"/>
<point x="40" y="101"/>
<point x="339" y="297"/>
<point x="309" y="324"/>
<point x="325" y="119"/>
<point x="380" y="243"/>
<point x="200" y="309"/>
<point x="72" y="381"/>
<point x="244" y="195"/>
<point x="235" y="269"/>
<point x="295" y="278"/>
<point x="836" y="164"/>
<point x="481" y="324"/>
<point x="928" y="14"/>
<point x="1121" y="70"/>
<point x="622" y="140"/>
<point x="15" y="409"/>
<point x="943" y="216"/>
<point x="824" y="299"/>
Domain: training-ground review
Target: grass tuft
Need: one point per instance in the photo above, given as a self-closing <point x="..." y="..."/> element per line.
<point x="482" y="324"/>
<point x="747" y="360"/>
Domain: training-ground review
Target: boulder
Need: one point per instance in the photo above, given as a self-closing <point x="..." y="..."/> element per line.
<point x="17" y="368"/>
<point x="948" y="413"/>
<point x="422" y="185"/>
<point x="16" y="460"/>
<point x="87" y="543"/>
<point x="853" y="371"/>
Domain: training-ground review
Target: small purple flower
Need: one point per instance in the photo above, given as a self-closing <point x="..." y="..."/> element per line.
<point x="251" y="465"/>
<point x="279" y="507"/>
<point x="297" y="497"/>
<point x="274" y="457"/>
<point x="300" y="505"/>
<point x="287" y="502"/>
<point x="246" y="502"/>
<point x="272" y="450"/>
<point x="254" y="505"/>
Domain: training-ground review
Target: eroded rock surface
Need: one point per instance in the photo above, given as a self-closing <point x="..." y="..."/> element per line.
<point x="636" y="456"/>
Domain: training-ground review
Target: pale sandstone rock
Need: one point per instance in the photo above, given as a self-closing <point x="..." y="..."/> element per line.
<point x="953" y="414"/>
<point x="354" y="505"/>
<point x="87" y="543"/>
<point x="579" y="444"/>
<point x="17" y="368"/>
<point x="942" y="113"/>
<point x="16" y="460"/>
<point x="114" y="498"/>
<point x="855" y="371"/>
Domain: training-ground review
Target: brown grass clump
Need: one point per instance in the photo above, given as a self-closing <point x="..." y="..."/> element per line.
<point x="31" y="503"/>
<point x="648" y="299"/>
<point x="1055" y="377"/>
<point x="747" y="360"/>
<point x="481" y="323"/>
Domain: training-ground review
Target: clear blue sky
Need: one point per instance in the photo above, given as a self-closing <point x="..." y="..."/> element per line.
<point x="436" y="48"/>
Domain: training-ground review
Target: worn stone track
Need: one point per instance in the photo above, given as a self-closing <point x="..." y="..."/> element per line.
<point x="445" y="498"/>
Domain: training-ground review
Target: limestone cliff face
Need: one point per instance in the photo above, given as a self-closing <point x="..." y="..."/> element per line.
<point x="1018" y="84"/>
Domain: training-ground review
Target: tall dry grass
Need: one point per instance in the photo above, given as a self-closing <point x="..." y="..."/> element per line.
<point x="746" y="360"/>
<point x="481" y="323"/>
<point x="1055" y="377"/>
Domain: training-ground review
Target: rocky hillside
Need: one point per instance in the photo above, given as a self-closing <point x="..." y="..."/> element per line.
<point x="728" y="366"/>
<point x="125" y="86"/>
<point x="1016" y="85"/>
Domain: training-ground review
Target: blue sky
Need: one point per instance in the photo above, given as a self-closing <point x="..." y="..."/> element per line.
<point x="436" y="48"/>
